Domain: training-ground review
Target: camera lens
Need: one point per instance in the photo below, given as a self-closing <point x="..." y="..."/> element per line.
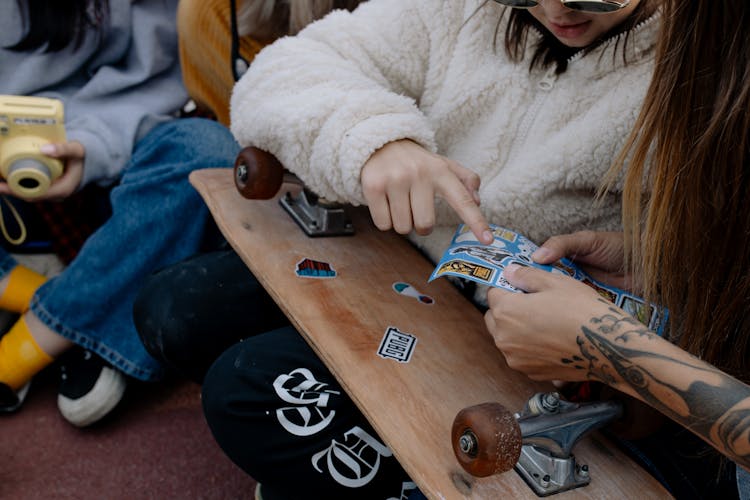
<point x="29" y="177"/>
<point x="28" y="183"/>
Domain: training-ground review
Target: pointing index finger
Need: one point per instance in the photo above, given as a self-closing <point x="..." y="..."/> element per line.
<point x="463" y="203"/>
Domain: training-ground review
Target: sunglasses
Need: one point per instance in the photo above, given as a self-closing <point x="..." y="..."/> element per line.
<point x="581" y="5"/>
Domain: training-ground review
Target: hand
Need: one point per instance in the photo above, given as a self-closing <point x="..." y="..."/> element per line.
<point x="538" y="331"/>
<point x="400" y="182"/>
<point x="600" y="254"/>
<point x="72" y="154"/>
<point x="562" y="330"/>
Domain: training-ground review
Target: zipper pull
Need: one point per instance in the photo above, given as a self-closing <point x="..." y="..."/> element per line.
<point x="548" y="80"/>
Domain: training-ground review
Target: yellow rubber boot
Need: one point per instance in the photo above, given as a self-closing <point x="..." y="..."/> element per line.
<point x="20" y="356"/>
<point x="22" y="283"/>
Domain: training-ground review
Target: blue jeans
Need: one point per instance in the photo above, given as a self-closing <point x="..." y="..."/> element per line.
<point x="157" y="219"/>
<point x="743" y="483"/>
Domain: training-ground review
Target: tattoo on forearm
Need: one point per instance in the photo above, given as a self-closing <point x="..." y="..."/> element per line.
<point x="708" y="402"/>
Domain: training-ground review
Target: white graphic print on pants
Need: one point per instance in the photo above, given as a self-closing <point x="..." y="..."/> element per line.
<point x="352" y="463"/>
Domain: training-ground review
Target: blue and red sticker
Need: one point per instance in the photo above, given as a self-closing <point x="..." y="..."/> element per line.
<point x="309" y="268"/>
<point x="406" y="289"/>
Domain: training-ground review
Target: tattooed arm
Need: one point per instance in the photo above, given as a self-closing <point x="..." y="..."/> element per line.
<point x="563" y="330"/>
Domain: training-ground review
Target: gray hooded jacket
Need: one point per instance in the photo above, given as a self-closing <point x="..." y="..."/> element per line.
<point x="115" y="87"/>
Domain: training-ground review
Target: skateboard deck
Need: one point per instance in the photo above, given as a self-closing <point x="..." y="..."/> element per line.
<point x="408" y="364"/>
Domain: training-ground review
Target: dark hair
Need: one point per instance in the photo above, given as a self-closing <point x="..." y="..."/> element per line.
<point x="550" y="51"/>
<point x="56" y="24"/>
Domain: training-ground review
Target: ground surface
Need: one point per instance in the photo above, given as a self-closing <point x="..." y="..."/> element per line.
<point x="156" y="445"/>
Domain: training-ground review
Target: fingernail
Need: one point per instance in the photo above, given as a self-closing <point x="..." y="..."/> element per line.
<point x="488" y="236"/>
<point x="510" y="269"/>
<point x="48" y="149"/>
<point x="475" y="195"/>
<point x="541" y="253"/>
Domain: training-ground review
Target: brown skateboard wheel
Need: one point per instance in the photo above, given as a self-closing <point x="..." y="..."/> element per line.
<point x="258" y="175"/>
<point x="486" y="439"/>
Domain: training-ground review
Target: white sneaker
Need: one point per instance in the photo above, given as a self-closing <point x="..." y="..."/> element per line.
<point x="90" y="388"/>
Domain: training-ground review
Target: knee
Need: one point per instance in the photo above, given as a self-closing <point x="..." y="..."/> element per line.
<point x="197" y="140"/>
<point x="201" y="135"/>
<point x="213" y="396"/>
<point x="148" y="316"/>
<point x="238" y="387"/>
<point x="212" y="141"/>
<point x="226" y="401"/>
<point x="249" y="381"/>
<point x="160" y="320"/>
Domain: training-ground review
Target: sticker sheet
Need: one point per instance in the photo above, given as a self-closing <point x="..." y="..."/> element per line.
<point x="467" y="258"/>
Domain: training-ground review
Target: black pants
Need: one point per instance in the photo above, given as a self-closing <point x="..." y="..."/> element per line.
<point x="189" y="313"/>
<point x="280" y="415"/>
<point x="271" y="404"/>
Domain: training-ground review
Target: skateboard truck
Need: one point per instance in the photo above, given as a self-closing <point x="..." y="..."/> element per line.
<point x="488" y="439"/>
<point x="258" y="175"/>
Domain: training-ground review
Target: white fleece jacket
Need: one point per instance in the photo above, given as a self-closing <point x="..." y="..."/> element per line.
<point x="427" y="70"/>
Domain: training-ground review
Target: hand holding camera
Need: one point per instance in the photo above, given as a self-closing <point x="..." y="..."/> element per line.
<point x="26" y="125"/>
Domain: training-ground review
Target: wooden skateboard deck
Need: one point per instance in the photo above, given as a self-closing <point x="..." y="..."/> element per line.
<point x="453" y="364"/>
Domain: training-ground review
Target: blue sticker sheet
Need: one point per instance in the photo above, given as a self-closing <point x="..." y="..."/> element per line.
<point x="467" y="258"/>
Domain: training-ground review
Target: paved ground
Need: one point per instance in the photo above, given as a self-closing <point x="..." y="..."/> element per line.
<point x="156" y="445"/>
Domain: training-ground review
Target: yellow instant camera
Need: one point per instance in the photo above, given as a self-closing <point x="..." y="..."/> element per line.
<point x="27" y="123"/>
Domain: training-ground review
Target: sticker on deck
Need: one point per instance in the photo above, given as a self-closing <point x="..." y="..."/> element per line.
<point x="397" y="345"/>
<point x="309" y="268"/>
<point x="402" y="288"/>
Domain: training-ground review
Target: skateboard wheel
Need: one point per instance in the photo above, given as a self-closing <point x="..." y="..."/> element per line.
<point x="258" y="175"/>
<point x="486" y="439"/>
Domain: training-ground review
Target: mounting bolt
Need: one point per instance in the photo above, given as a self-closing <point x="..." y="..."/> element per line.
<point x="544" y="482"/>
<point x="242" y="173"/>
<point x="551" y="402"/>
<point x="467" y="443"/>
<point x="584" y="470"/>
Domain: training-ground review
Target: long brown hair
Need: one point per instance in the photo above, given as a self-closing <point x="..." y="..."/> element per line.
<point x="688" y="236"/>
<point x="270" y="19"/>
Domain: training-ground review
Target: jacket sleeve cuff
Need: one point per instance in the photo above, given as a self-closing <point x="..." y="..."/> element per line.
<point x="343" y="164"/>
<point x="100" y="165"/>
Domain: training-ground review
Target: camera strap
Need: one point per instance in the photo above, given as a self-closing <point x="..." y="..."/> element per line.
<point x="21" y="226"/>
